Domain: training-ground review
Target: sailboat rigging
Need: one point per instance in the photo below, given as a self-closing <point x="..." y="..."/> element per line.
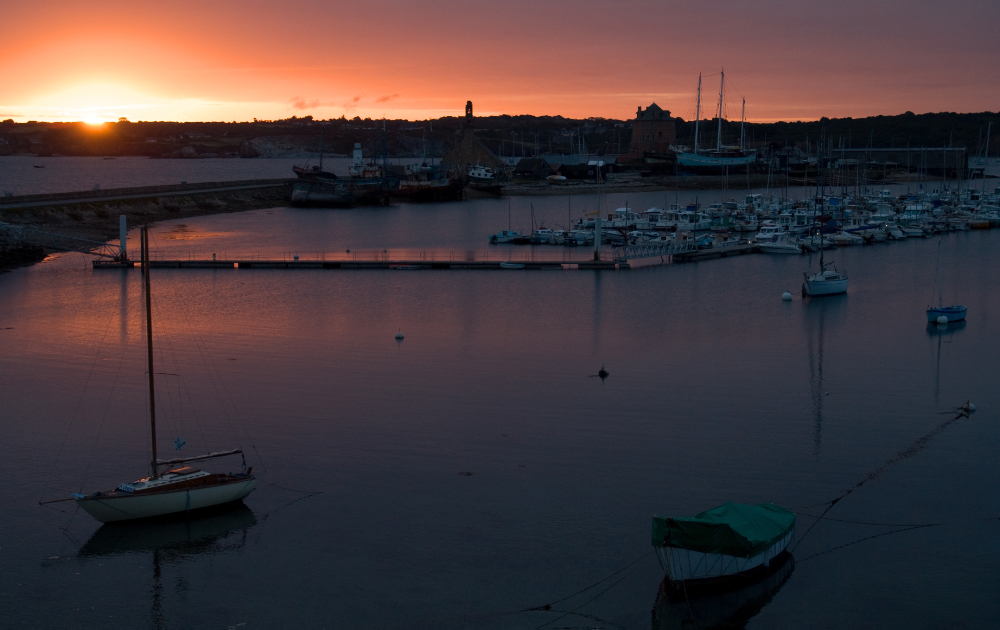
<point x="175" y="490"/>
<point x="944" y="314"/>
<point x="826" y="281"/>
<point x="722" y="156"/>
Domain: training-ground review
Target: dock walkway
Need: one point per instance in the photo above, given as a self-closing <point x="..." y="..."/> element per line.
<point x="414" y="260"/>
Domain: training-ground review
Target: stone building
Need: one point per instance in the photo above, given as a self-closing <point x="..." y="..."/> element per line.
<point x="652" y="131"/>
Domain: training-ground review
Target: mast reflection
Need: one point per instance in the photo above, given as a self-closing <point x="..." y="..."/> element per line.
<point x="171" y="540"/>
<point x="941" y="331"/>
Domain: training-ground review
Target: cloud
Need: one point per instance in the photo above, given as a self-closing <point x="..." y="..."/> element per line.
<point x="386" y="99"/>
<point x="352" y="104"/>
<point x="300" y="103"/>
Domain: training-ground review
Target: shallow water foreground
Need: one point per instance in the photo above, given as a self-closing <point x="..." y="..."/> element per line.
<point x="477" y="468"/>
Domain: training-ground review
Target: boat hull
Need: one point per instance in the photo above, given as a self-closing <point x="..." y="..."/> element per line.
<point x="114" y="507"/>
<point x="779" y="248"/>
<point x="953" y="313"/>
<point x="341" y="193"/>
<point x="824" y="287"/>
<point x="683" y="565"/>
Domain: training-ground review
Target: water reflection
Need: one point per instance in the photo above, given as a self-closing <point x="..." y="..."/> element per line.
<point x="597" y="313"/>
<point x="825" y="308"/>
<point x="941" y="331"/>
<point x="170" y="540"/>
<point x="730" y="609"/>
<point x="175" y="538"/>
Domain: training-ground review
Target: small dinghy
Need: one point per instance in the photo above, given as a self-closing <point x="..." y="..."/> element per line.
<point x="726" y="542"/>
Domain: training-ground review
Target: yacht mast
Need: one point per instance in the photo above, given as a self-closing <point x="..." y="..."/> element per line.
<point x="986" y="157"/>
<point x="722" y="83"/>
<point x="743" y="119"/>
<point x="697" y="116"/>
<point x="149" y="346"/>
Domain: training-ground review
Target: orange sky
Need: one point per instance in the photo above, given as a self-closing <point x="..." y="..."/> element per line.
<point x="228" y="60"/>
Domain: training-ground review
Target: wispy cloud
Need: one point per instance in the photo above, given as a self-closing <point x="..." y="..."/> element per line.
<point x="300" y="103"/>
<point x="352" y="104"/>
<point x="387" y="98"/>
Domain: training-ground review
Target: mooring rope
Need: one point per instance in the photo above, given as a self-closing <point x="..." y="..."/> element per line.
<point x="918" y="445"/>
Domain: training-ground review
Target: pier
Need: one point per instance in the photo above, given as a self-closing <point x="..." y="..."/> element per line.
<point x="416" y="260"/>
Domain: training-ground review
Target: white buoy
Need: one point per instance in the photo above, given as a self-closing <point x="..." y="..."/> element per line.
<point x="943" y="319"/>
<point x="399" y="336"/>
<point x="786" y="296"/>
<point x="969" y="407"/>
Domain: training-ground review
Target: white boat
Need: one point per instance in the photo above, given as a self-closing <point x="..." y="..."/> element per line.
<point x="177" y="490"/>
<point x="543" y="236"/>
<point x="482" y="175"/>
<point x="768" y="232"/>
<point x="846" y="238"/>
<point x="506" y="236"/>
<point x="781" y="244"/>
<point x="825" y="282"/>
<point x="728" y="541"/>
<point x="511" y="265"/>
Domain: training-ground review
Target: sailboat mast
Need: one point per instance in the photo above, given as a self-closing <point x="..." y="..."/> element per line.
<point x="986" y="155"/>
<point x="722" y="84"/>
<point x="149" y="347"/>
<point x="697" y="115"/>
<point x="743" y="119"/>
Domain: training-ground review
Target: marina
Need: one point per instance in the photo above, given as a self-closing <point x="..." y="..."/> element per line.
<point x="510" y="420"/>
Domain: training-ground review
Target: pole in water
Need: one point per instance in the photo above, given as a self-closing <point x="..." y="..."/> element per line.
<point x="122" y="235"/>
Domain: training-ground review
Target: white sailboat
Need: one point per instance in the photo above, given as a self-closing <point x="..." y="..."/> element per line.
<point x="825" y="282"/>
<point x="178" y="489"/>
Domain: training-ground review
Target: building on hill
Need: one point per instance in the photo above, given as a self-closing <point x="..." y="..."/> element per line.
<point x="470" y="151"/>
<point x="653" y="131"/>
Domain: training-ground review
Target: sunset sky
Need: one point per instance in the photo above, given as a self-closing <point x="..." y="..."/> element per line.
<point x="227" y="60"/>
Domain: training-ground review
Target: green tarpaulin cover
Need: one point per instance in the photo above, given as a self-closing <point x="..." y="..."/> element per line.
<point x="732" y="528"/>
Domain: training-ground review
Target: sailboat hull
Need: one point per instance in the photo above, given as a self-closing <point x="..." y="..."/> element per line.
<point x="122" y="506"/>
<point x="953" y="313"/>
<point x="824" y="287"/>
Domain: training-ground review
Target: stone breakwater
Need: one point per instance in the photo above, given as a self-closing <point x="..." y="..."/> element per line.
<point x="95" y="216"/>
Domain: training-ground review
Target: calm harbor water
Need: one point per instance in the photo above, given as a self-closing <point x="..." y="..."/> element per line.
<point x="718" y="391"/>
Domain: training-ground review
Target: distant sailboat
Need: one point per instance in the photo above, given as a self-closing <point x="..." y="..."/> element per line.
<point x="953" y="313"/>
<point x="825" y="282"/>
<point x="178" y="489"/>
<point x="722" y="156"/>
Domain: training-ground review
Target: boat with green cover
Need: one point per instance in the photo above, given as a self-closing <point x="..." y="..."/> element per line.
<point x="730" y="540"/>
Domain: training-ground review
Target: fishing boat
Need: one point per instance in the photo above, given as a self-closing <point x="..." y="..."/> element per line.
<point x="484" y="179"/>
<point x="178" y="489"/>
<point x="728" y="541"/>
<point x="428" y="183"/>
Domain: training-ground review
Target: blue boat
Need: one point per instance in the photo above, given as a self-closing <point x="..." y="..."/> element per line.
<point x="954" y="313"/>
